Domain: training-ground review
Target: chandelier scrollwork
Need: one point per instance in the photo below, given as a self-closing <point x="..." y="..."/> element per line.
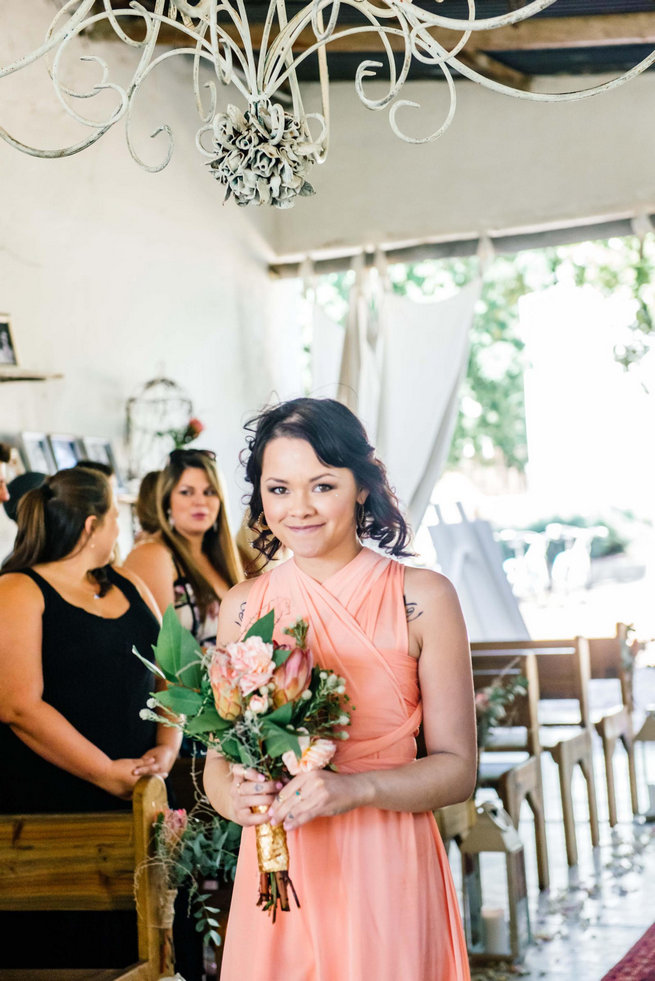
<point x="263" y="150"/>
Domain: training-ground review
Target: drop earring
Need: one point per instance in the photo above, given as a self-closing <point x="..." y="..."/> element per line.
<point x="360" y="519"/>
<point x="262" y="523"/>
<point x="169" y="516"/>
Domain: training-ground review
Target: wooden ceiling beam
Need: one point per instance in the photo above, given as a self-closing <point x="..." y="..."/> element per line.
<point x="535" y="34"/>
<point x="569" y="32"/>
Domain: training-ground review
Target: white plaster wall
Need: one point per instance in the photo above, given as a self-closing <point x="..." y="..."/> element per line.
<point x="503" y="164"/>
<point x="112" y="275"/>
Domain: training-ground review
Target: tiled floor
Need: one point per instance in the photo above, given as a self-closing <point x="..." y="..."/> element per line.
<point x="592" y="914"/>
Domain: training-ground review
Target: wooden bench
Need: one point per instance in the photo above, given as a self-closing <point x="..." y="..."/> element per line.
<point x="515" y="782"/>
<point x="87" y="862"/>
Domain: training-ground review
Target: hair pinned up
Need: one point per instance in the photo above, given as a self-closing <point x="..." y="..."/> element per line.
<point x="339" y="440"/>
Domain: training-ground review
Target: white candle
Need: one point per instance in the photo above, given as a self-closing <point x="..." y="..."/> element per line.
<point x="494" y="931"/>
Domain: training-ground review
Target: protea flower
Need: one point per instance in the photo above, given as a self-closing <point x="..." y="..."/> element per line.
<point x="292" y="677"/>
<point x="225" y="686"/>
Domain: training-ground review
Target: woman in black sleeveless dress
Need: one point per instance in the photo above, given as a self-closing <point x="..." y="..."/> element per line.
<point x="72" y="738"/>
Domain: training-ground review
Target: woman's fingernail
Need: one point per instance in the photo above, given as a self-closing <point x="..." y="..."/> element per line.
<point x="279" y="785"/>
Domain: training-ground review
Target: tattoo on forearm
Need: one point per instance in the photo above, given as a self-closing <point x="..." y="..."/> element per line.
<point x="412" y="611"/>
<point x="242" y="610"/>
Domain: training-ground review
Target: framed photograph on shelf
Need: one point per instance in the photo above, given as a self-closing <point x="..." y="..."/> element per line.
<point x="100" y="449"/>
<point x="7" y="349"/>
<point x="65" y="450"/>
<point x="37" y="453"/>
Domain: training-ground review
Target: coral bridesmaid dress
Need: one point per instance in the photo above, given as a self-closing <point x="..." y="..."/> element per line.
<point x="376" y="894"/>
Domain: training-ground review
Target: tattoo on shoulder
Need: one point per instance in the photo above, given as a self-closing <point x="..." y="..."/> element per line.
<point x="412" y="611"/>
<point x="242" y="610"/>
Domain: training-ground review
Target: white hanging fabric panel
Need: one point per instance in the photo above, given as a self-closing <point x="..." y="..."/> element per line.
<point x="327" y="353"/>
<point x="425" y="358"/>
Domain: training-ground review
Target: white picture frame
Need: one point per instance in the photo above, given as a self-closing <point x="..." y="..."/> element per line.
<point x="36" y="453"/>
<point x="8" y="356"/>
<point x="65" y="450"/>
<point x="99" y="449"/>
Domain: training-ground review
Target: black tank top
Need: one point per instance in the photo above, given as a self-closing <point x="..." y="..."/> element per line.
<point x="92" y="677"/>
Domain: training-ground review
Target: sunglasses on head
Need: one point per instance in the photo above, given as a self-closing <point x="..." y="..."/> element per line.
<point x="179" y="456"/>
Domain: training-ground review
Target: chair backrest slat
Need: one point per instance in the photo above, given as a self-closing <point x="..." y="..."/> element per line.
<point x="563" y="667"/>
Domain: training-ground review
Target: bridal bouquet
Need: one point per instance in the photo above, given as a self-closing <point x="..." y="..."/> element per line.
<point x="259" y="703"/>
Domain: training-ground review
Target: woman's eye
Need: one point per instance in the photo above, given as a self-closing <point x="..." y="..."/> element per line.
<point x="210" y="492"/>
<point x="277" y="490"/>
<point x="323" y="488"/>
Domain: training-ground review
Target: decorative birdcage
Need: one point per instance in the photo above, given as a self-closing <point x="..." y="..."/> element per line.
<point x="154" y="416"/>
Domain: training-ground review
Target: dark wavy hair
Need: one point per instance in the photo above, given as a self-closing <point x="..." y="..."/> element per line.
<point x="339" y="440"/>
<point x="51" y="520"/>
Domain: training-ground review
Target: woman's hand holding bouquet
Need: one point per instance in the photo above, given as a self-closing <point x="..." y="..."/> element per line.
<point x="266" y="708"/>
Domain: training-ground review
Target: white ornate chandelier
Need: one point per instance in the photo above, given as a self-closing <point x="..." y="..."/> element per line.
<point x="262" y="152"/>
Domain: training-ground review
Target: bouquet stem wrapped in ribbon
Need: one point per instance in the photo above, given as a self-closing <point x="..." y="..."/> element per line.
<point x="258" y="703"/>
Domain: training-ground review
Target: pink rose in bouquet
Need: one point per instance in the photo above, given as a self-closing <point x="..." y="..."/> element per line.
<point x="316" y="754"/>
<point x="258" y="704"/>
<point x="252" y="662"/>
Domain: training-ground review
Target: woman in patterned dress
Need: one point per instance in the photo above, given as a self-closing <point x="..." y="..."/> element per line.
<point x="192" y="560"/>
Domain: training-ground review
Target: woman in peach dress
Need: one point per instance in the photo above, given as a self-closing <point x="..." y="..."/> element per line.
<point x="376" y="896"/>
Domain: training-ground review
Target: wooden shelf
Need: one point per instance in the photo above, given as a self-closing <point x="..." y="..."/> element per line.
<point x="12" y="373"/>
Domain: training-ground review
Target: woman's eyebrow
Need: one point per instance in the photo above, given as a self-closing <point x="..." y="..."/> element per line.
<point x="279" y="480"/>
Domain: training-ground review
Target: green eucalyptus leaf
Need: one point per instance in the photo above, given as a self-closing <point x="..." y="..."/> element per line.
<point x="281" y="716"/>
<point x="181" y="701"/>
<point x="207" y="721"/>
<point x="151" y="665"/>
<point x="263" y="628"/>
<point x="230" y="749"/>
<point x="281" y="655"/>
<point x="177" y="650"/>
<point x="278" y="741"/>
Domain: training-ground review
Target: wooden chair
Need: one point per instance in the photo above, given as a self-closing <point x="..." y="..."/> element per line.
<point x="87" y="862"/>
<point x="515" y="782"/>
<point x="564" y="672"/>
<point x="614" y="726"/>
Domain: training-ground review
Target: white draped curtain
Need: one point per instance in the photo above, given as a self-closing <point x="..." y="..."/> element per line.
<point x="401" y="363"/>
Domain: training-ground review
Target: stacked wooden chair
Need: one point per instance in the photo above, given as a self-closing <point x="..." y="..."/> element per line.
<point x="563" y="669"/>
<point x="87" y="862"/>
<point x="608" y="656"/>
<point x="515" y="781"/>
